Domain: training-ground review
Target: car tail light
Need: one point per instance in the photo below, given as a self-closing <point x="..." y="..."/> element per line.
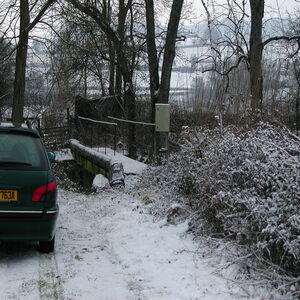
<point x="41" y="193"/>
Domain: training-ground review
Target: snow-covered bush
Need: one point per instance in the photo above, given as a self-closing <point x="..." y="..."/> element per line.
<point x="243" y="184"/>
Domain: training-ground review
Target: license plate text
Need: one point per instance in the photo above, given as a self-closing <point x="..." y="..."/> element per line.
<point x="8" y="195"/>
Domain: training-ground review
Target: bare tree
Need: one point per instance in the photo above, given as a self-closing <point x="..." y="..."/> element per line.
<point x="169" y="50"/>
<point x="6" y="74"/>
<point x="295" y="57"/>
<point x="153" y="60"/>
<point x="125" y="47"/>
<point x="21" y="54"/>
<point x="68" y="69"/>
<point x="160" y="87"/>
<point x="84" y="55"/>
<point x="239" y="49"/>
<point x="21" y="57"/>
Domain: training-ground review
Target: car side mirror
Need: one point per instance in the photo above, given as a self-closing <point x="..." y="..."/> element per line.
<point x="51" y="156"/>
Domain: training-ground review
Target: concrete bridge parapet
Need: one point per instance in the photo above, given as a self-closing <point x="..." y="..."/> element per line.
<point x="97" y="163"/>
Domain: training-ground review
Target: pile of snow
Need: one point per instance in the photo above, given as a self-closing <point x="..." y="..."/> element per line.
<point x="131" y="166"/>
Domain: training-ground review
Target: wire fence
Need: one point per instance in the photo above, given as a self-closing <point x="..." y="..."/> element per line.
<point x="96" y="134"/>
<point x="106" y="136"/>
<point x="103" y="135"/>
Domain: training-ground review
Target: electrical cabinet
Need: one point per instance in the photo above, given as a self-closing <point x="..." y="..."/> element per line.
<point x="162" y="117"/>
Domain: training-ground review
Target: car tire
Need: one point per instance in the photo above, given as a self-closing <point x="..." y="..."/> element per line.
<point x="47" y="246"/>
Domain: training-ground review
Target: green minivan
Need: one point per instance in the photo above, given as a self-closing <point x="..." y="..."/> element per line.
<point x="28" y="192"/>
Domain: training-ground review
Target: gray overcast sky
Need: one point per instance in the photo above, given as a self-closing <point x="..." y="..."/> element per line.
<point x="271" y="5"/>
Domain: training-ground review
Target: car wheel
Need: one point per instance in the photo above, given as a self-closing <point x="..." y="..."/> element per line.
<point x="47" y="246"/>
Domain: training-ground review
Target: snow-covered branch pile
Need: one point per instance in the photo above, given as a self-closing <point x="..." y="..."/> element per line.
<point x="243" y="185"/>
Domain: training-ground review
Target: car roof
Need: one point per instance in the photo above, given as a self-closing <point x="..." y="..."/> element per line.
<point x="9" y="126"/>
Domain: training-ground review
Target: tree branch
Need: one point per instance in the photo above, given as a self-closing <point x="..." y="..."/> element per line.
<point x="40" y="14"/>
<point x="278" y="38"/>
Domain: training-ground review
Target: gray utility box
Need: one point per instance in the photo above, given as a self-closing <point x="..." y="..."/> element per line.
<point x="162" y="117"/>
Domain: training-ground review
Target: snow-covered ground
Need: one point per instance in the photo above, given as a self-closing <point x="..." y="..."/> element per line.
<point x="131" y="166"/>
<point x="109" y="247"/>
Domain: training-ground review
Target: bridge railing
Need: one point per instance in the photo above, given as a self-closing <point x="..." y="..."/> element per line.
<point x="97" y="134"/>
<point x="144" y="132"/>
<point x="55" y="137"/>
<point x="113" y="134"/>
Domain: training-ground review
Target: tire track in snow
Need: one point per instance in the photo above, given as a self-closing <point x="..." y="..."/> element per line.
<point x="50" y="286"/>
<point x="18" y="271"/>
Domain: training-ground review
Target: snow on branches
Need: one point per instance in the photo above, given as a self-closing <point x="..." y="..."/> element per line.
<point x="243" y="184"/>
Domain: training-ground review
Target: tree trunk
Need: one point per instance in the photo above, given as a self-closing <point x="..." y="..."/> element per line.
<point x="20" y="71"/>
<point x="112" y="69"/>
<point x="121" y="34"/>
<point x="153" y="64"/>
<point x="255" y="58"/>
<point x="21" y="56"/>
<point x="152" y="56"/>
<point x="111" y="50"/>
<point x="129" y="100"/>
<point x="118" y="83"/>
<point x="169" y="53"/>
<point x="160" y="89"/>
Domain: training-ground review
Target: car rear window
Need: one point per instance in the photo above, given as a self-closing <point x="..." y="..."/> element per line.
<point x="21" y="151"/>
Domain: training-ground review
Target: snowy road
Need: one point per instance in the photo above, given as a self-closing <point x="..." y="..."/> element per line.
<point x="108" y="247"/>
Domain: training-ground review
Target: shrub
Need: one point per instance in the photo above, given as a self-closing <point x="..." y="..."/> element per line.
<point x="243" y="184"/>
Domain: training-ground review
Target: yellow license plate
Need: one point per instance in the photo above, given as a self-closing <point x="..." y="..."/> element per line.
<point x="8" y="195"/>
